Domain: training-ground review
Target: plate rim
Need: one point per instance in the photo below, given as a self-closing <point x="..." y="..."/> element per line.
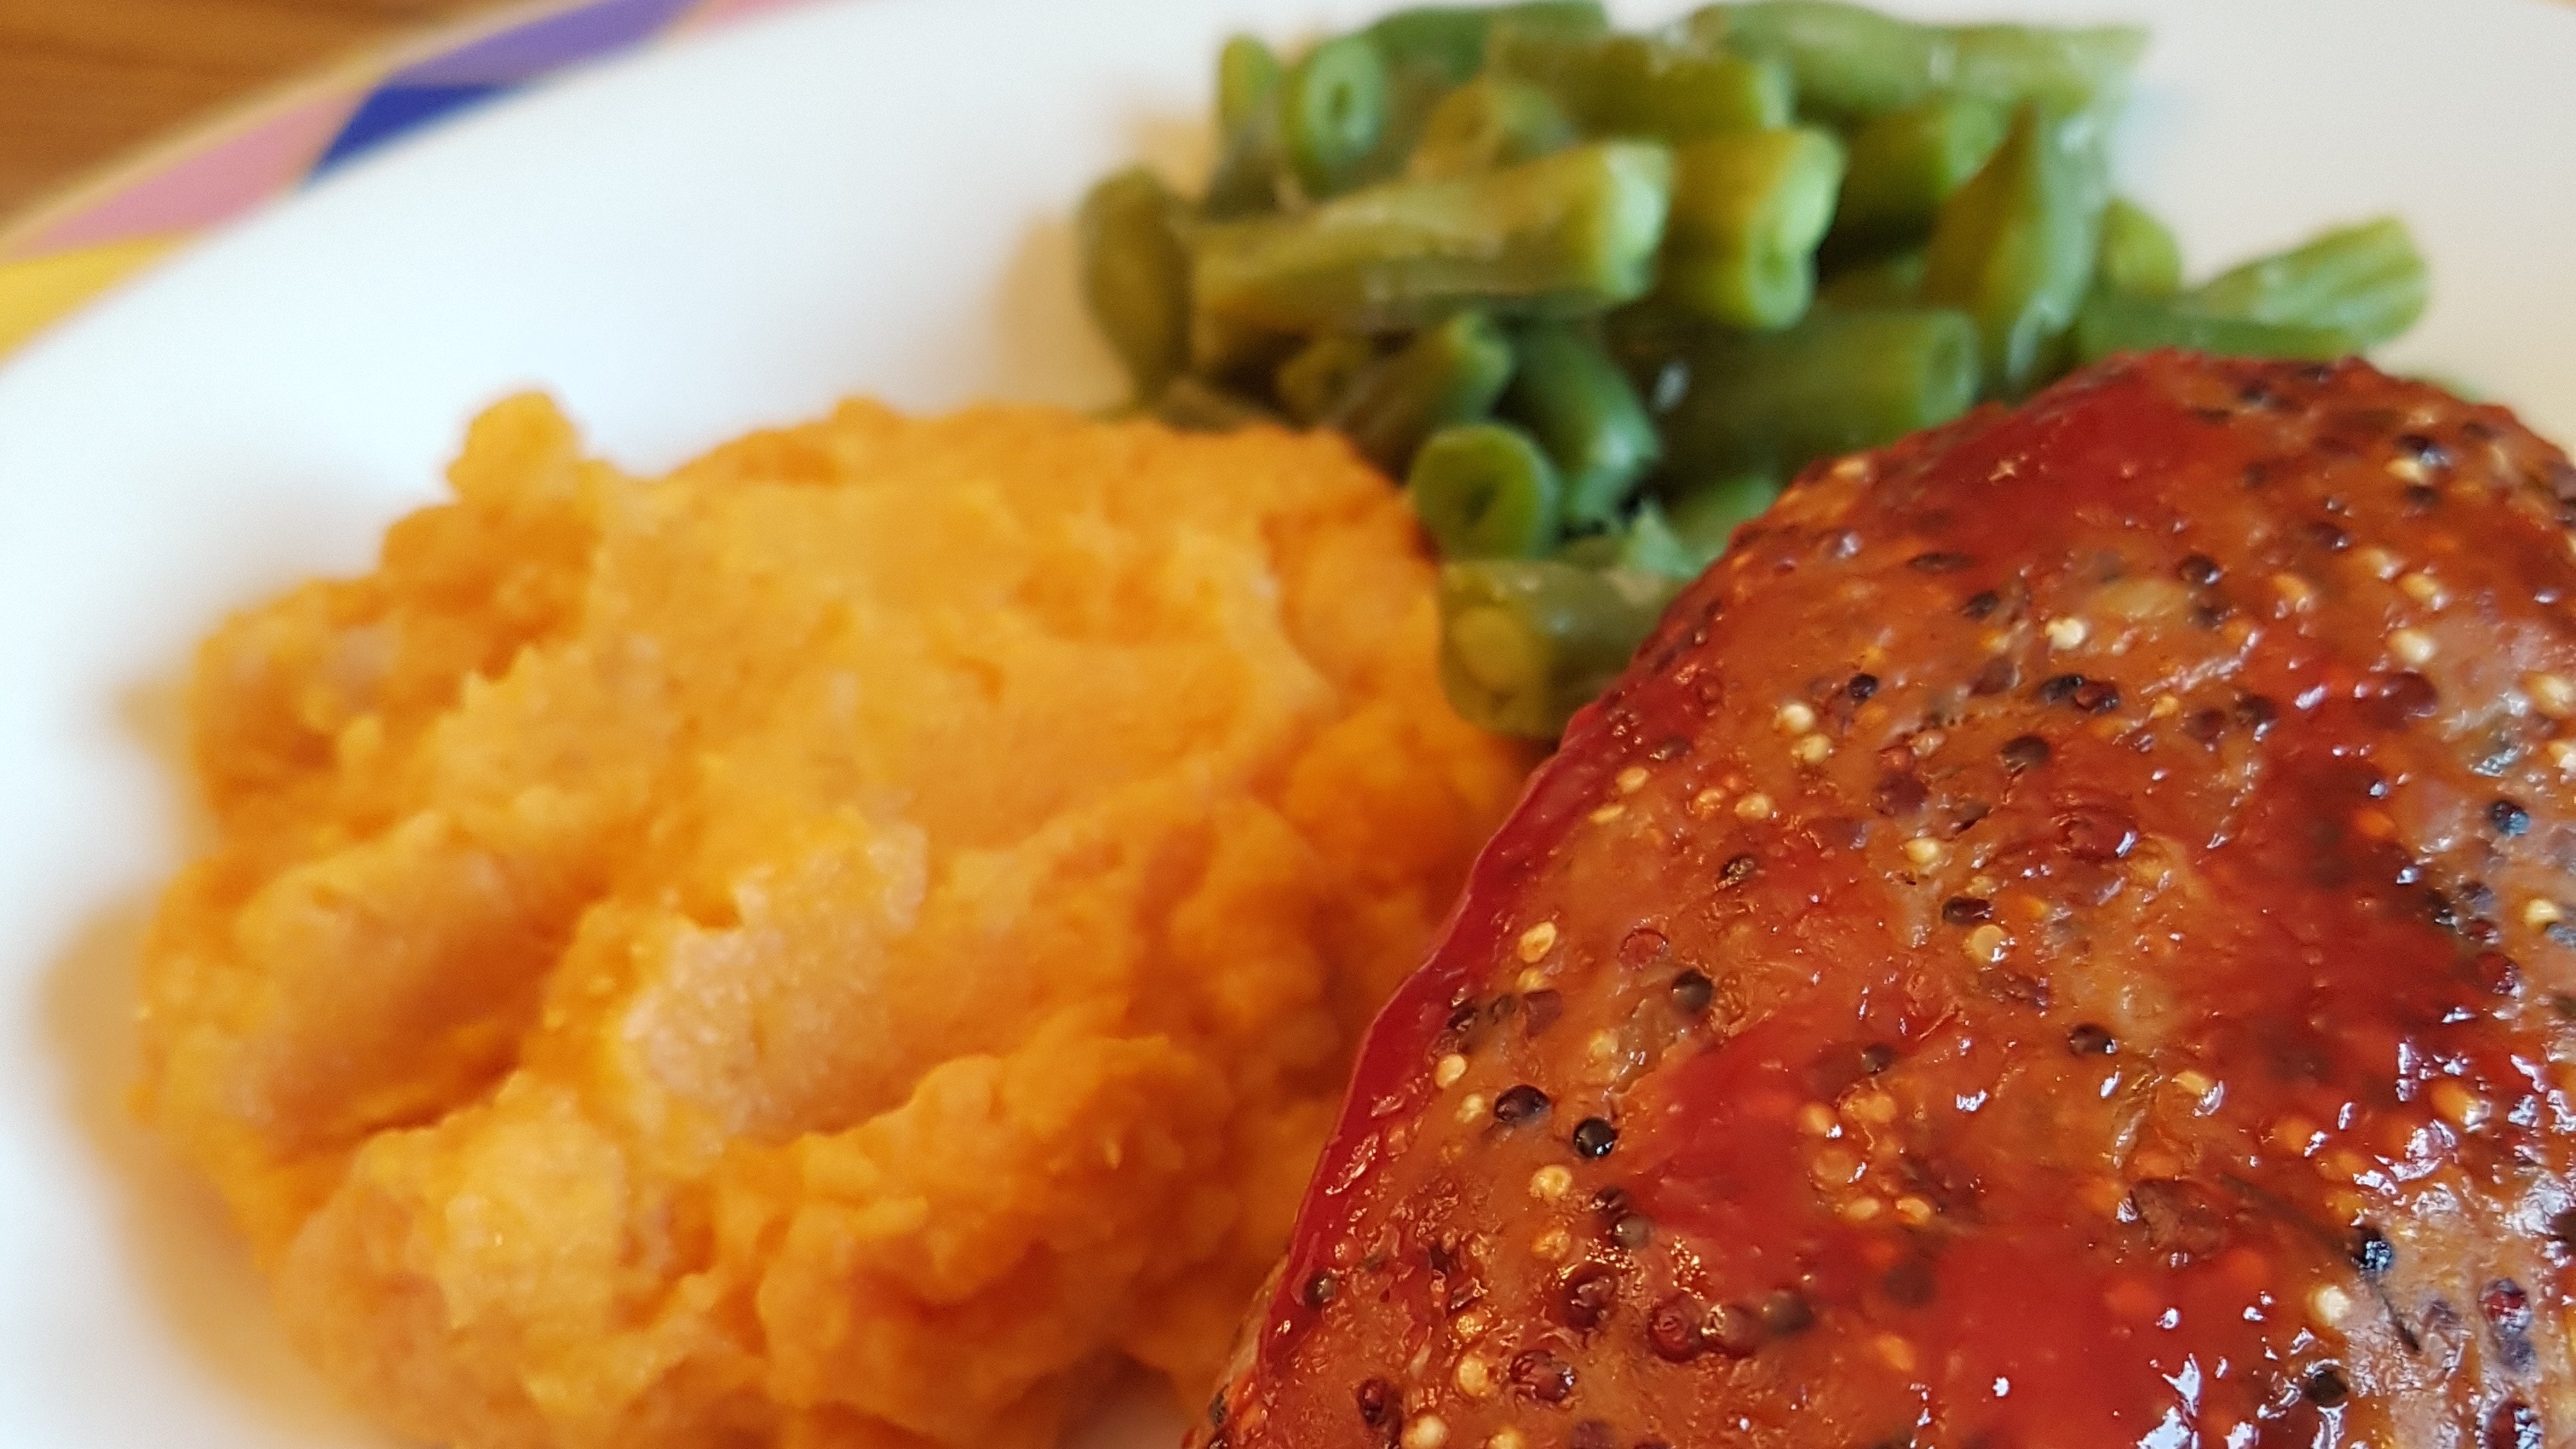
<point x="84" y="237"/>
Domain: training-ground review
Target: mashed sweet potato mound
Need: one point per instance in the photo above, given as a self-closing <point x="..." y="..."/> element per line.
<point x="827" y="948"/>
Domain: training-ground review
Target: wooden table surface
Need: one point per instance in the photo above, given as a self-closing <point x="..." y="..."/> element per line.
<point x="84" y="81"/>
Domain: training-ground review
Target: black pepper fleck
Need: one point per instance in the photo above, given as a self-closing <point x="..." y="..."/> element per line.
<point x="1673" y="1330"/>
<point x="1523" y="1103"/>
<point x="2023" y="753"/>
<point x="1633" y="1231"/>
<point x="2372" y="1253"/>
<point x="1543" y="1376"/>
<point x="1377" y="1397"/>
<point x="2198" y="570"/>
<point x="1982" y="604"/>
<point x="1692" y="992"/>
<point x="1586" y="1295"/>
<point x="2326" y="1387"/>
<point x="1966" y="910"/>
<point x="1739" y="869"/>
<point x="1593" y="1138"/>
<point x="1321" y="1287"/>
<point x="2513" y="1425"/>
<point x="2096" y="696"/>
<point x="1786" y="1312"/>
<point x="1733" y="1330"/>
<point x="1862" y="686"/>
<point x="2090" y="1040"/>
<point x="1939" y="561"/>
<point x="2059" y="688"/>
<point x="1877" y="1057"/>
<point x="2509" y="818"/>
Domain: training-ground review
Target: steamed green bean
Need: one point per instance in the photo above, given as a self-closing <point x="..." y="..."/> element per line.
<point x="1906" y="163"/>
<point x="1573" y="397"/>
<point x="1489" y="122"/>
<point x="2113" y="323"/>
<point x="1485" y="490"/>
<point x="1453" y="372"/>
<point x="1748" y="211"/>
<point x="1317" y="376"/>
<point x="1332" y="113"/>
<point x="2366" y="280"/>
<point x="1449" y="40"/>
<point x="1248" y="81"/>
<point x="1706" y="517"/>
<point x="1135" y="275"/>
<point x="1634" y="85"/>
<point x="2139" y="257"/>
<point x="1524" y="643"/>
<point x="1733" y="403"/>
<point x="1852" y="64"/>
<point x="1565" y="235"/>
<point x="2014" y="248"/>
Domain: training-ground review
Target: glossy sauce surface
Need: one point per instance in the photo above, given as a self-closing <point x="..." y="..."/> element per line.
<point x="2064" y="939"/>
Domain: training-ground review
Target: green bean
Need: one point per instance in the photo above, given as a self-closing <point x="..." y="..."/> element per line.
<point x="1564" y="235"/>
<point x="1584" y="411"/>
<point x="1487" y="123"/>
<point x="1748" y="211"/>
<point x="1453" y="372"/>
<point x="1449" y="40"/>
<point x="1248" y="79"/>
<point x="2014" y="248"/>
<point x="1650" y="544"/>
<point x="1852" y="64"/>
<point x="1135" y="275"/>
<point x="2113" y="323"/>
<point x="1906" y="163"/>
<point x="1484" y="490"/>
<point x="1309" y="383"/>
<point x="1732" y="403"/>
<point x="1634" y="85"/>
<point x="1242" y="355"/>
<point x="1706" y="517"/>
<point x="2368" y="281"/>
<point x="1524" y="643"/>
<point x="1895" y="280"/>
<point x="1332" y="113"/>
<point x="2139" y="256"/>
<point x="1195" y="405"/>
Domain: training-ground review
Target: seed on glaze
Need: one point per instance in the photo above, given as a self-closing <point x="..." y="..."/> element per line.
<point x="1738" y="869"/>
<point x="2090" y="1040"/>
<point x="1523" y="1103"/>
<point x="1448" y="1070"/>
<point x="1543" y="1376"/>
<point x="2540" y="912"/>
<point x="2411" y="647"/>
<point x="1914" y="1210"/>
<point x="1506" y="1437"/>
<point x="1692" y="992"/>
<point x="1633" y="1231"/>
<point x="2325" y="1386"/>
<point x="1966" y="911"/>
<point x="1537" y="941"/>
<point x="1794" y="718"/>
<point x="2198" y="570"/>
<point x="2328" y="1305"/>
<point x="1426" y="1431"/>
<point x="2296" y="594"/>
<point x="1924" y="852"/>
<point x="2422" y="587"/>
<point x="1755" y="806"/>
<point x="1643" y="946"/>
<point x="1593" y="1138"/>
<point x="1733" y="1330"/>
<point x="1551" y="1183"/>
<point x="2024" y="753"/>
<point x="2508" y="818"/>
<point x="1474" y="1377"/>
<point x="1631" y="780"/>
<point x="2551" y="694"/>
<point x="1811" y="749"/>
<point x="2059" y="688"/>
<point x="2372" y="1253"/>
<point x="1471" y="1107"/>
<point x="1985" y="945"/>
<point x="2096" y="696"/>
<point x="2068" y="632"/>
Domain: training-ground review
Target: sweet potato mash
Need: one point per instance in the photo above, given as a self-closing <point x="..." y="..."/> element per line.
<point x="830" y="947"/>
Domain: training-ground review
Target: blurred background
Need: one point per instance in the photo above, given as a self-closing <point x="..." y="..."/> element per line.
<point x="84" y="81"/>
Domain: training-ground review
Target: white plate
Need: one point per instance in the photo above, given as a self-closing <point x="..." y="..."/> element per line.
<point x="860" y="197"/>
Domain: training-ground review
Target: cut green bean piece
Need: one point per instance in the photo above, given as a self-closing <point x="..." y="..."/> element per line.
<point x="1733" y="403"/>
<point x="2113" y="323"/>
<point x="1195" y="405"/>
<point x="1635" y="85"/>
<point x="2140" y="257"/>
<point x="1748" y="211"/>
<point x="1890" y="281"/>
<point x="1449" y="40"/>
<point x="1489" y="122"/>
<point x="1651" y="544"/>
<point x="2014" y="248"/>
<point x="1573" y="397"/>
<point x="1248" y="81"/>
<point x="1135" y="275"/>
<point x="1485" y="490"/>
<point x="1332" y="112"/>
<point x="1852" y="64"/>
<point x="1524" y="643"/>
<point x="1316" y="378"/>
<point x="2368" y="281"/>
<point x="1450" y="373"/>
<point x="1906" y="163"/>
<point x="1565" y="235"/>
<point x="1706" y="517"/>
<point x="1239" y="355"/>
